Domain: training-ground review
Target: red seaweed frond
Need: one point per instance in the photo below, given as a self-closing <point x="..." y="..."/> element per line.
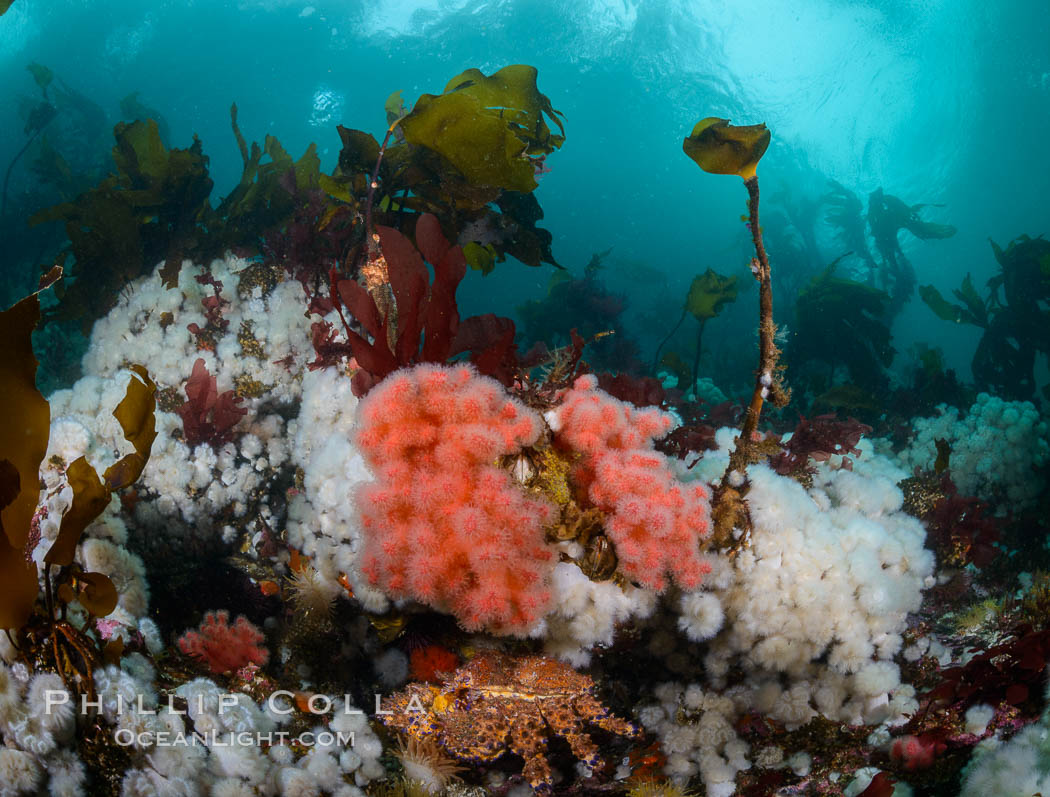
<point x="208" y="416"/>
<point x="1011" y="672"/>
<point x="959" y="530"/>
<point x="213" y="307"/>
<point x="881" y="786"/>
<point x="426" y="318"/>
<point x="641" y="391"/>
<point x="818" y="439"/>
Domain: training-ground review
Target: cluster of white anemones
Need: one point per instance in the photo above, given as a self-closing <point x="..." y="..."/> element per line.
<point x="228" y="751"/>
<point x="995" y="449"/>
<point x="39" y="756"/>
<point x="188" y="491"/>
<point x="812" y="613"/>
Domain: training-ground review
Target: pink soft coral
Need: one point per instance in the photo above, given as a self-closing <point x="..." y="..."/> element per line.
<point x="442" y="524"/>
<point x="225" y="648"/>
<point x="654" y="522"/>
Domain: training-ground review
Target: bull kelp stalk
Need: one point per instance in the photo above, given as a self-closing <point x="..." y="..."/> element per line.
<point x="374" y="270"/>
<point x="720" y="148"/>
<point x="373" y="184"/>
<point x="766" y="383"/>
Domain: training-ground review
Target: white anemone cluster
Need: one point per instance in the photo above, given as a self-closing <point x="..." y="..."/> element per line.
<point x="586" y="613"/>
<point x="995" y="449"/>
<point x="234" y="747"/>
<point x="262" y="352"/>
<point x="38" y="755"/>
<point x="812" y="612"/>
<point x="1017" y="767"/>
<point x="322" y="520"/>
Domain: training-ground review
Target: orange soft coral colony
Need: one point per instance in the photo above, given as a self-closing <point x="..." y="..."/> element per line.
<point x="442" y="524"/>
<point x="655" y="522"/>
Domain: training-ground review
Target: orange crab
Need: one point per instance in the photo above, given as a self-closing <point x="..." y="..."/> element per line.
<point x="498" y="703"/>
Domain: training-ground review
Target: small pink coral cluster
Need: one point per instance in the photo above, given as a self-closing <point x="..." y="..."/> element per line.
<point x="224" y="647"/>
<point x="654" y="522"/>
<point x="442" y="523"/>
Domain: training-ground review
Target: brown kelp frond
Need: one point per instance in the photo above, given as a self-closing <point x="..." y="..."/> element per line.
<point x="48" y="635"/>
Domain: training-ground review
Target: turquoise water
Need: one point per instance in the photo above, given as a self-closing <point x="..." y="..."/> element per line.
<point x="937" y="102"/>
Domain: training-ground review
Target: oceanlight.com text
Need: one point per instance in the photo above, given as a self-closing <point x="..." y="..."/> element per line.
<point x="145" y="739"/>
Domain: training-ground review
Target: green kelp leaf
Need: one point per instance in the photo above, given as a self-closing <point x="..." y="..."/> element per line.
<point x="709" y="293"/>
<point x="139" y="153"/>
<point x="481" y="146"/>
<point x="278" y="154"/>
<point x="151" y="177"/>
<point x="308" y="168"/>
<point x="997" y="250"/>
<point x="480" y="258"/>
<point x="97" y="593"/>
<point x="50" y="167"/>
<point x="978" y="313"/>
<point x="941" y="306"/>
<point x="104" y="234"/>
<point x="42" y="114"/>
<point x="839" y="321"/>
<point x="512" y="92"/>
<point x="242" y="145"/>
<point x="359" y="153"/>
<point x="136" y="416"/>
<point x="334" y="188"/>
<point x="927" y="230"/>
<point x="529" y="244"/>
<point x="557" y="278"/>
<point x="487" y="126"/>
<point x="932" y="359"/>
<point x="4" y="5"/>
<point x="270" y="175"/>
<point x="41" y="74"/>
<point x="151" y="210"/>
<point x="131" y="108"/>
<point x="1044" y="265"/>
<point x="90" y="498"/>
<point x="394" y="107"/>
<point x="186" y="184"/>
<point x="721" y="148"/>
<point x="264" y="198"/>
